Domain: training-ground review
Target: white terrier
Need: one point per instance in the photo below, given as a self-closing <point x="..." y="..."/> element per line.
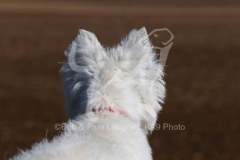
<point x="113" y="97"/>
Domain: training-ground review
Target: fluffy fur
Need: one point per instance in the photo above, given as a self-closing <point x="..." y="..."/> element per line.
<point x="113" y="98"/>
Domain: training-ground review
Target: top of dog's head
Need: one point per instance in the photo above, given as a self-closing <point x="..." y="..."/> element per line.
<point x="126" y="78"/>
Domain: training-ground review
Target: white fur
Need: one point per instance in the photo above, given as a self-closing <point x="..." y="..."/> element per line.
<point x="127" y="79"/>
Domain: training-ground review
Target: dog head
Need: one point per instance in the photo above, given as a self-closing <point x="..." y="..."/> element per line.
<point x="126" y="79"/>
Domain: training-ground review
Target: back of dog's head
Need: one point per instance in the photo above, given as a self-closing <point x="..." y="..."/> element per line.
<point x="126" y="78"/>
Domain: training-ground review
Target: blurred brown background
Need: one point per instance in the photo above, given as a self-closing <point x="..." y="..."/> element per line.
<point x="202" y="72"/>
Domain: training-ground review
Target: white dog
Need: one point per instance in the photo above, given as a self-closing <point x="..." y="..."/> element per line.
<point x="113" y="97"/>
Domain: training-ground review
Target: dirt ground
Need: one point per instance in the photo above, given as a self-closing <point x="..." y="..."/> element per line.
<point x="202" y="73"/>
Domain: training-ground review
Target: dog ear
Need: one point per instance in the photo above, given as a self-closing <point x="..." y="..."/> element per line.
<point x="85" y="53"/>
<point x="84" y="59"/>
<point x="134" y="51"/>
<point x="148" y="74"/>
<point x="137" y="40"/>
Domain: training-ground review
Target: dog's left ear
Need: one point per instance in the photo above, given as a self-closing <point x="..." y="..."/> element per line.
<point x="84" y="60"/>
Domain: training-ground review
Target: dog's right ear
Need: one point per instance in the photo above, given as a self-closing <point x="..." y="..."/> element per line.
<point x="84" y="59"/>
<point x="148" y="73"/>
<point x="138" y="40"/>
